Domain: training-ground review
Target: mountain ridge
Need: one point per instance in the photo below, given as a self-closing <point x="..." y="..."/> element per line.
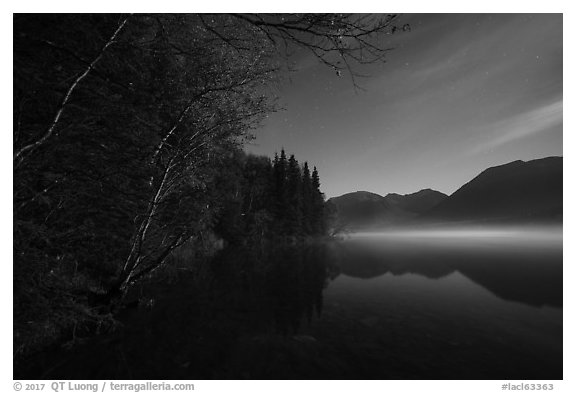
<point x="362" y="209"/>
<point x="518" y="191"/>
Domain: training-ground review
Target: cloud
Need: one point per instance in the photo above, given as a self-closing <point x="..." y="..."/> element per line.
<point x="531" y="122"/>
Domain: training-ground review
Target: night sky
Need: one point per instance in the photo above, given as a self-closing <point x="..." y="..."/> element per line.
<point x="458" y="94"/>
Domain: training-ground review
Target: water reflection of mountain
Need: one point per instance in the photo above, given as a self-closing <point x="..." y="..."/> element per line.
<point x="530" y="276"/>
<point x="245" y="316"/>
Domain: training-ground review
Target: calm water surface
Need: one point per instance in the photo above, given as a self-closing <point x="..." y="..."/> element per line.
<point x="476" y="307"/>
<point x="388" y="306"/>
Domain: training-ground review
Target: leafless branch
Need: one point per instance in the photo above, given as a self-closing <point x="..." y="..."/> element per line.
<point x="49" y="132"/>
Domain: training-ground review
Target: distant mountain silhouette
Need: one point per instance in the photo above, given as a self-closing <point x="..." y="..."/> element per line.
<point x="418" y="202"/>
<point x="364" y="209"/>
<point x="519" y="191"/>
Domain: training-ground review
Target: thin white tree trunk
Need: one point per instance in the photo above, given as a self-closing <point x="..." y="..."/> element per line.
<point x="50" y="131"/>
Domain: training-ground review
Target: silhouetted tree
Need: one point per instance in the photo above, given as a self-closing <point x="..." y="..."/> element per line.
<point x="306" y="200"/>
<point x="121" y="124"/>
<point x="294" y="191"/>
<point x="317" y="218"/>
<point x="280" y="194"/>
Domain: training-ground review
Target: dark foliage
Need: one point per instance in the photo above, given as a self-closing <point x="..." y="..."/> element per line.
<point x="266" y="200"/>
<point x="127" y="144"/>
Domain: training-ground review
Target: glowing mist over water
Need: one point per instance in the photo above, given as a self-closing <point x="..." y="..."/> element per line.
<point x="550" y="235"/>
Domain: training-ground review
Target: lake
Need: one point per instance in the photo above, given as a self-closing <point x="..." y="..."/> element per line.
<point x="476" y="305"/>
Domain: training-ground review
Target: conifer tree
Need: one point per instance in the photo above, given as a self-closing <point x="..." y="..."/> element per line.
<point x="294" y="197"/>
<point x="122" y="126"/>
<point x="317" y="205"/>
<point x="280" y="193"/>
<point x="306" y="200"/>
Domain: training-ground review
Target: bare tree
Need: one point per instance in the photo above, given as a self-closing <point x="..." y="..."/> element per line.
<point x="116" y="119"/>
<point x="343" y="42"/>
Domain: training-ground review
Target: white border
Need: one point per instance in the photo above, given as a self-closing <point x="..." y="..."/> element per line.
<point x="420" y="6"/>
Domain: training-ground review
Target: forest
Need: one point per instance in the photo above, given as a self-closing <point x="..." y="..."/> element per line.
<point x="128" y="135"/>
